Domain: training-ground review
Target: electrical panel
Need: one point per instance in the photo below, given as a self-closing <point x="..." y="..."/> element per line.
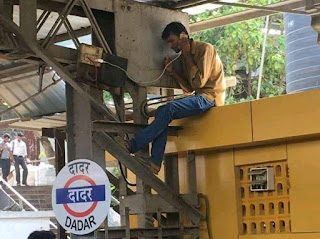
<point x="89" y="54"/>
<point x="262" y="179"/>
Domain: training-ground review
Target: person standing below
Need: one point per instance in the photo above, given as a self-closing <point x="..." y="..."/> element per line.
<point x="19" y="152"/>
<point x="202" y="73"/>
<point x="5" y="156"/>
<point x="42" y="235"/>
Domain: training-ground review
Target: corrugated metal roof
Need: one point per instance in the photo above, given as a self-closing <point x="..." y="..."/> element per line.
<point x="48" y="102"/>
<point x="36" y="125"/>
<point x="22" y="86"/>
<point x="56" y="120"/>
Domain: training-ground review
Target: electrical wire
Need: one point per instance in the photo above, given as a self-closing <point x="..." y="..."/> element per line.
<point x="140" y="82"/>
<point x="201" y="195"/>
<point x="124" y="176"/>
<point x="127" y="74"/>
<point x="96" y="70"/>
<point x="121" y="169"/>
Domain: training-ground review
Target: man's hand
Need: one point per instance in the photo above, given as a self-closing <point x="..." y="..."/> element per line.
<point x="168" y="67"/>
<point x="185" y="47"/>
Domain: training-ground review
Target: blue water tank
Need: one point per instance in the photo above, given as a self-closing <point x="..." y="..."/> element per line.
<point x="302" y="54"/>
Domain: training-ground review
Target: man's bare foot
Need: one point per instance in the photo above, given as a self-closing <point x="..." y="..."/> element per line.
<point x="149" y="164"/>
<point x="155" y="167"/>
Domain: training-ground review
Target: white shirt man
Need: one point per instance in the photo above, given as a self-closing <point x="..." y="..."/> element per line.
<point x="19" y="148"/>
<point x="19" y="151"/>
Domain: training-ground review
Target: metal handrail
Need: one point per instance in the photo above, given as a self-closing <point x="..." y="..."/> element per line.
<point x="39" y="161"/>
<point x="24" y="200"/>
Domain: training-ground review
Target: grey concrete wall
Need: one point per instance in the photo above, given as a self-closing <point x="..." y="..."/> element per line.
<point x="138" y="29"/>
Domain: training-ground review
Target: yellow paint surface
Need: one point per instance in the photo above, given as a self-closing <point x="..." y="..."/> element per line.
<point x="286" y="116"/>
<point x="220" y="126"/>
<point x="260" y="154"/>
<point x="283" y="236"/>
<point x="274" y="118"/>
<point x="219" y="186"/>
<point x="304" y="171"/>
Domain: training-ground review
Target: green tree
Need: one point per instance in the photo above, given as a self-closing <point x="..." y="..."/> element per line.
<point x="240" y="48"/>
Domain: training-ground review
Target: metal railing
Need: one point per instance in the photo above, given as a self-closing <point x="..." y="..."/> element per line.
<point x="23" y="199"/>
<point x="39" y="161"/>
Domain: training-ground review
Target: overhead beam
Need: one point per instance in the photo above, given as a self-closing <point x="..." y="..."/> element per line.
<point x="245" y="15"/>
<point x="120" y="232"/>
<point x="154" y="202"/>
<point x="116" y="127"/>
<point x="5" y="123"/>
<point x="16" y="69"/>
<point x="95" y="4"/>
<point x="57" y="5"/>
<point x="265" y="8"/>
<point x="78" y="33"/>
<point x="28" y="18"/>
<point x="53" y="6"/>
<point x="63" y="54"/>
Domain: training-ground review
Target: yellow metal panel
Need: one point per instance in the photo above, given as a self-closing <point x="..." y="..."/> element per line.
<point x="265" y="212"/>
<point x="220" y="188"/>
<point x="304" y="170"/>
<point x="286" y="116"/>
<point x="260" y="154"/>
<point x="283" y="236"/>
<point x="183" y="173"/>
<point x="220" y="126"/>
<point x="133" y="220"/>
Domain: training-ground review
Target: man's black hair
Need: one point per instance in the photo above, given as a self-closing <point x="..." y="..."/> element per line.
<point x="20" y="134"/>
<point x="42" y="235"/>
<point x="6" y="136"/>
<point x="173" y="28"/>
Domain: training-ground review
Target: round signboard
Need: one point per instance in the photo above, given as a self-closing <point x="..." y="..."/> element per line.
<point x="81" y="196"/>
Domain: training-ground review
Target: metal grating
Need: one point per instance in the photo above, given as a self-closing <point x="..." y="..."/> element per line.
<point x="266" y="212"/>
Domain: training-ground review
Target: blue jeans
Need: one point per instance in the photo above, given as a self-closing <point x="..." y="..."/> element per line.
<point x="18" y="160"/>
<point x="156" y="132"/>
<point x="5" y="166"/>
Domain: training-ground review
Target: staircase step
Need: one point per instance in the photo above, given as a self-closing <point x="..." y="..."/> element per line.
<point x="37" y="196"/>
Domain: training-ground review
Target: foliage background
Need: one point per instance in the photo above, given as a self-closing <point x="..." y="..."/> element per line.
<point x="240" y="48"/>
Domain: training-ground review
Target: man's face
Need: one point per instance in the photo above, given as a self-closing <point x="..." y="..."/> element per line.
<point x="6" y="139"/>
<point x="19" y="138"/>
<point x="173" y="42"/>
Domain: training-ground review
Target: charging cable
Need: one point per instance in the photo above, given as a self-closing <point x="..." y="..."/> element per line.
<point x="139" y="82"/>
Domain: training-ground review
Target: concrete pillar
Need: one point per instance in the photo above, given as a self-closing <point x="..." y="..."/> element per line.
<point x="79" y="131"/>
<point x="139" y="94"/>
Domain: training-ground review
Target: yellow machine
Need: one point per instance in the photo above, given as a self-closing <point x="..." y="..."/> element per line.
<point x="281" y="134"/>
